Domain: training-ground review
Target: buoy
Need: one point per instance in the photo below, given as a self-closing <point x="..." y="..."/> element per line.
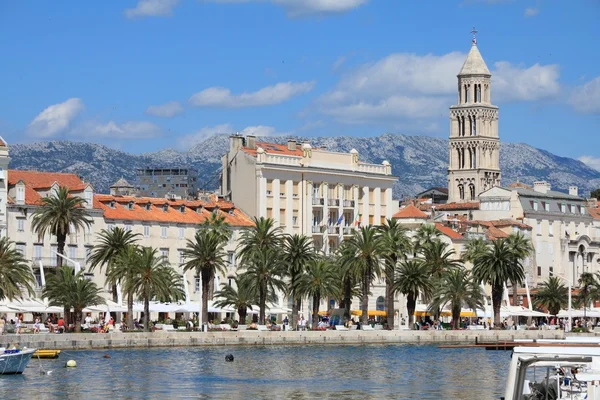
<point x="71" y="364"/>
<point x="107" y="356"/>
<point x="229" y="358"/>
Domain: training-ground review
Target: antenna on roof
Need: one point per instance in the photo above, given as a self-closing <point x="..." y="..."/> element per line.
<point x="474" y="32"/>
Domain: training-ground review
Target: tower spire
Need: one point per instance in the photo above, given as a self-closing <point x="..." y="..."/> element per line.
<point x="474" y="32"/>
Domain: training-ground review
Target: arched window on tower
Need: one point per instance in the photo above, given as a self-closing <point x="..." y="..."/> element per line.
<point x="474" y="158"/>
<point x="462" y="133"/>
<point x="467" y="93"/>
<point x="459" y="157"/>
<point x="472" y="191"/>
<point x="462" y="158"/>
<point x="474" y="126"/>
<point x="461" y="191"/>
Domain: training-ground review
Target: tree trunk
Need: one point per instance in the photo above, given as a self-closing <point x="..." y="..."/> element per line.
<point x="497" y="293"/>
<point x="315" y="311"/>
<point x="262" y="298"/>
<point x="365" y="300"/>
<point x="295" y="303"/>
<point x="298" y="305"/>
<point x="389" y="294"/>
<point x="130" y="311"/>
<point x="77" y="313"/>
<point x="147" y="313"/>
<point x="411" y="302"/>
<point x="205" y="292"/>
<point x="115" y="295"/>
<point x="242" y="311"/>
<point x="60" y="249"/>
<point x="347" y="297"/>
<point x="67" y="315"/>
<point x="455" y="317"/>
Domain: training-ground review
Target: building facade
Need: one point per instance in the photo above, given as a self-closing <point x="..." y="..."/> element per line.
<point x="474" y="143"/>
<point x="306" y="190"/>
<point x="175" y="183"/>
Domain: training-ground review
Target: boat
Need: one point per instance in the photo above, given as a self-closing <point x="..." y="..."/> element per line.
<point x="565" y="369"/>
<point x="46" y="353"/>
<point x="14" y="361"/>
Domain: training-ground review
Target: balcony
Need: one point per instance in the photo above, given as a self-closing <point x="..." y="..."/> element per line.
<point x="348" y="203"/>
<point x="348" y="231"/>
<point x="318" y="201"/>
<point x="318" y="229"/>
<point x="333" y="230"/>
<point x="52" y="262"/>
<point x="333" y="202"/>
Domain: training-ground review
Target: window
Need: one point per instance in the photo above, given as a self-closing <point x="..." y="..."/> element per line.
<point x="37" y="251"/>
<point x="88" y="253"/>
<point x="181" y="257"/>
<point x="53" y="251"/>
<point x="163" y="232"/>
<point x="109" y="227"/>
<point x="563" y="208"/>
<point x="164" y="253"/>
<point x="196" y="284"/>
<point x="538" y="229"/>
<point x="582" y="210"/>
<point x="539" y="271"/>
<point x="547" y="206"/>
<point x="231" y="258"/>
<point x="146" y="231"/>
<point x="572" y="208"/>
<point x="89" y="197"/>
<point x="20" y="224"/>
<point x="130" y="205"/>
<point x="551" y="271"/>
<point x="551" y="228"/>
<point x="20" y="194"/>
<point x="181" y="233"/>
<point x="535" y="205"/>
<point x="21" y="248"/>
<point x="127" y="228"/>
<point x="295" y="220"/>
<point x="72" y="252"/>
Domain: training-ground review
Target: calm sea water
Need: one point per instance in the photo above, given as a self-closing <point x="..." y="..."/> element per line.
<point x="277" y="372"/>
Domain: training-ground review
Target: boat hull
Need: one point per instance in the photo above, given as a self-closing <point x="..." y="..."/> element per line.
<point x="15" y="363"/>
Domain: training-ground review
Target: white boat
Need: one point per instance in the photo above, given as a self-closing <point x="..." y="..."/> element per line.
<point x="14" y="361"/>
<point x="565" y="370"/>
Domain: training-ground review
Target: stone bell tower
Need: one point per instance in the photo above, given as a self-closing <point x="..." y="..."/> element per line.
<point x="474" y="143"/>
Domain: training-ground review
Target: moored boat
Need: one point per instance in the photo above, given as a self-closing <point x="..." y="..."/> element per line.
<point x="14" y="361"/>
<point x="46" y="353"/>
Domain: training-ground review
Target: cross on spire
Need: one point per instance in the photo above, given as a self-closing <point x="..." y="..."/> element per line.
<point x="474" y="32"/>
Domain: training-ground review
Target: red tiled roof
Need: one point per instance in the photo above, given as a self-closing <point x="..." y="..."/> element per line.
<point x="35" y="180"/>
<point x="495" y="233"/>
<point x="195" y="211"/>
<point x="500" y="223"/>
<point x="474" y="205"/>
<point x="446" y="230"/>
<point x="410" y="211"/>
<point x="594" y="212"/>
<point x="519" y="185"/>
<point x="272" y="148"/>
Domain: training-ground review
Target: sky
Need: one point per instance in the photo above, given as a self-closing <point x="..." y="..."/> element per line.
<point x="144" y="75"/>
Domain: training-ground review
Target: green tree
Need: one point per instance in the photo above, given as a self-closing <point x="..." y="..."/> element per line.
<point x="15" y="273"/>
<point x="263" y="235"/>
<point x="57" y="215"/>
<point x="552" y="295"/>
<point x="521" y="248"/>
<point x="595" y="194"/>
<point x="68" y="290"/>
<point x="206" y="256"/>
<point x="588" y="290"/>
<point x="424" y="236"/>
<point x="242" y="298"/>
<point x="412" y="280"/>
<point x="264" y="270"/>
<point x="457" y="288"/>
<point x="298" y="252"/>
<point x="123" y="271"/>
<point x="395" y="245"/>
<point x="496" y="266"/>
<point x="109" y="245"/>
<point x="367" y="248"/>
<point x="154" y="278"/>
<point x="344" y="262"/>
<point x="319" y="281"/>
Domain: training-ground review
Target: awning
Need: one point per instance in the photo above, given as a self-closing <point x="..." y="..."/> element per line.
<point x="370" y="313"/>
<point x="591" y="313"/>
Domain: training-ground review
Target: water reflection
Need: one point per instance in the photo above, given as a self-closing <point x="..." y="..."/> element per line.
<point x="286" y="372"/>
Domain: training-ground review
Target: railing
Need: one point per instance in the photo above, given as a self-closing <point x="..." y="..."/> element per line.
<point x="333" y="229"/>
<point x="347" y="230"/>
<point x="318" y="201"/>
<point x="282" y="159"/>
<point x="373" y="169"/>
<point x="349" y="203"/>
<point x="333" y="202"/>
<point x="52" y="261"/>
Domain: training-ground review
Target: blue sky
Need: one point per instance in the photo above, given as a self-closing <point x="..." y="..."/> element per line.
<point x="144" y="75"/>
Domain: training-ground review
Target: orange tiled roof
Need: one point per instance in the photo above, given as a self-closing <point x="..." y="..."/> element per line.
<point x="473" y="205"/>
<point x="410" y="211"/>
<point x="272" y="148"/>
<point x="495" y="233"/>
<point x="500" y="223"/>
<point x="594" y="212"/>
<point x="519" y="185"/>
<point x="194" y="211"/>
<point x="35" y="180"/>
<point x="446" y="230"/>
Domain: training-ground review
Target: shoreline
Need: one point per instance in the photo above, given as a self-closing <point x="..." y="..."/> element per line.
<point x="96" y="341"/>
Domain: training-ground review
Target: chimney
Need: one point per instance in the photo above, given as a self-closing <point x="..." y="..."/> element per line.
<point x="541" y="187"/>
<point x="573" y="191"/>
<point x="292" y="144"/>
<point x="235" y="143"/>
<point x="251" y="142"/>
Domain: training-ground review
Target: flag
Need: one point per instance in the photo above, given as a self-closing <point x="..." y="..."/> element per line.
<point x="357" y="219"/>
<point x="340" y="219"/>
<point x="329" y="220"/>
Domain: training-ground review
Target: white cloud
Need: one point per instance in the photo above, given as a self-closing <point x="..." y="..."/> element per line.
<point x="410" y="86"/>
<point x="515" y="83"/>
<point x="302" y="8"/>
<point x="586" y="98"/>
<point x="168" y="110"/>
<point x="222" y="97"/>
<point x="187" y="141"/>
<point x="55" y="119"/>
<point x="111" y="129"/>
<point x="531" y="11"/>
<point x="152" y="8"/>
<point x="591" y="161"/>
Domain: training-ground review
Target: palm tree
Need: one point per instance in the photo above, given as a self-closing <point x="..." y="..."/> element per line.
<point x="206" y="256"/>
<point x="264" y="270"/>
<point x="473" y="249"/>
<point x="68" y="290"/>
<point x="367" y="249"/>
<point x="344" y="262"/>
<point x="424" y="236"/>
<point x="588" y="289"/>
<point x="496" y="266"/>
<point x="457" y="287"/>
<point x="439" y="259"/>
<point x="521" y="248"/>
<point x="154" y="278"/>
<point x="319" y="281"/>
<point x="15" y="273"/>
<point x="109" y="245"/>
<point x="396" y="244"/>
<point x="57" y="215"/>
<point x="412" y="280"/>
<point x="123" y="272"/>
<point x="217" y="222"/>
<point x="553" y="295"/>
<point x="298" y="252"/>
<point x="262" y="236"/>
<point x="242" y="299"/>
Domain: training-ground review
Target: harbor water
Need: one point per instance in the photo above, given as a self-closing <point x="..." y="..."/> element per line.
<point x="274" y="372"/>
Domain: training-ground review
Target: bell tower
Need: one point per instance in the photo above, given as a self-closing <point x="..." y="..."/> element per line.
<point x="474" y="143"/>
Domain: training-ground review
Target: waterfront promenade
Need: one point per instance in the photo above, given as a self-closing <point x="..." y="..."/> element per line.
<point x="80" y="341"/>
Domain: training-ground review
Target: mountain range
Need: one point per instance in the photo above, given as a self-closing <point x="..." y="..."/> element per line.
<point x="419" y="162"/>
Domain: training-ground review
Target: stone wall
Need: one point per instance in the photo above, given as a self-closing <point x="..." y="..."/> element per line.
<point x="164" y="339"/>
